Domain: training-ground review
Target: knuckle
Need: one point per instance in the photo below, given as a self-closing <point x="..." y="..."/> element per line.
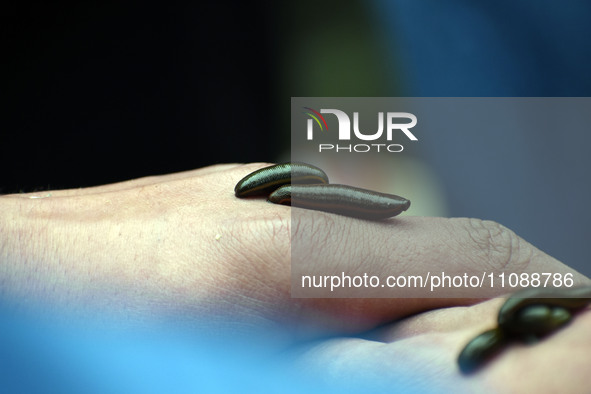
<point x="499" y="246"/>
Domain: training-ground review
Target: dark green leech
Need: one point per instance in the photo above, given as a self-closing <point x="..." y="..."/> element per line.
<point x="572" y="299"/>
<point x="342" y="200"/>
<point x="264" y="181"/>
<point x="481" y="350"/>
<point x="537" y="321"/>
<point x="526" y="316"/>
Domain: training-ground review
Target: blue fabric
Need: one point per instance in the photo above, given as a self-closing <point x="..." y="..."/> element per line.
<point x="49" y="356"/>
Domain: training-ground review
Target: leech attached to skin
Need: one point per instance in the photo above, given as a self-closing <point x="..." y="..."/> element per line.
<point x="527" y="316"/>
<point x="481" y="349"/>
<point x="264" y="181"/>
<point x="342" y="200"/>
<point x="570" y="298"/>
<point x="306" y="186"/>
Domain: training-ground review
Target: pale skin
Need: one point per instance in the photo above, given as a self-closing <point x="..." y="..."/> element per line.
<point x="183" y="247"/>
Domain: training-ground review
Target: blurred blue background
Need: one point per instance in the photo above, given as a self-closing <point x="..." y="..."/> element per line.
<point x="497" y="48"/>
<point x="536" y="181"/>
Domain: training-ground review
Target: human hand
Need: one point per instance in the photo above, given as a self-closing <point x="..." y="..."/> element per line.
<point x="181" y="246"/>
<point x="419" y="354"/>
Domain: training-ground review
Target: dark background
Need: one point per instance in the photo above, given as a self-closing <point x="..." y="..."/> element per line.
<point x="97" y="93"/>
<point x="100" y="92"/>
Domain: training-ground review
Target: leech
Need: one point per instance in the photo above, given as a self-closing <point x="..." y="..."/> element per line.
<point x="342" y="200"/>
<point x="481" y="349"/>
<point x="527" y="316"/>
<point x="572" y="299"/>
<point x="303" y="185"/>
<point x="264" y="181"/>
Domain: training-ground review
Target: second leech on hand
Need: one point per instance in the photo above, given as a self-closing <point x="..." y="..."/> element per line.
<point x="305" y="186"/>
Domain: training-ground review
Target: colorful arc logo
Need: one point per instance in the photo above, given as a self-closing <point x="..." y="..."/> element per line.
<point x="315" y="115"/>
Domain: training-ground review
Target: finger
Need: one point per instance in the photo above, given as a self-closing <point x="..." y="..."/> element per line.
<point x="419" y="364"/>
<point x="427" y="361"/>
<point x="475" y="319"/>
<point x="324" y="245"/>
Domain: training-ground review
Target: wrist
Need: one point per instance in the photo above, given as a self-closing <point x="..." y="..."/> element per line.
<point x="29" y="247"/>
<point x="52" y="254"/>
